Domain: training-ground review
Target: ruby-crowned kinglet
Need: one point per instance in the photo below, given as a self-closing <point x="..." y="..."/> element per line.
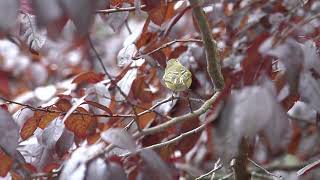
<point x="177" y="77"/>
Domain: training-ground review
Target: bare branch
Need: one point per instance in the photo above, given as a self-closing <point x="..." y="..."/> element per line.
<point x="265" y="170"/>
<point x="168" y="44"/>
<point x="176" y="139"/>
<point x="217" y="166"/>
<point x="115" y="10"/>
<point x="182" y="118"/>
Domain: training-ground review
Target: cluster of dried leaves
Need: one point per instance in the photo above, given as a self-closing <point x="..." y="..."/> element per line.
<point x="82" y="97"/>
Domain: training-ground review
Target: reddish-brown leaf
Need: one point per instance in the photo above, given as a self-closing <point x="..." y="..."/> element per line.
<point x="145" y="37"/>
<point x="63" y="104"/>
<point x="81" y="125"/>
<point x="118" y="2"/>
<point x="30" y="167"/>
<point x="91" y="139"/>
<point x="4" y="81"/>
<point x="5" y="165"/>
<point x="88" y="77"/>
<point x="29" y="127"/>
<point x="47" y="118"/>
<point x="100" y="106"/>
<point x="147" y="118"/>
<point x="186" y="144"/>
<point x="253" y="62"/>
<point x="161" y="12"/>
<point x="175" y="53"/>
<point x="139" y="90"/>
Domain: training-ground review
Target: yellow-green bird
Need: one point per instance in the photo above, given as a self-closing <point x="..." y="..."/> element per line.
<point x="177" y="77"/>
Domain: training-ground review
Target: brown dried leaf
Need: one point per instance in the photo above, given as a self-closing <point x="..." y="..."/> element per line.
<point x="88" y="77"/>
<point x="161" y="12"/>
<point x="63" y="104"/>
<point x="47" y="118"/>
<point x="81" y="125"/>
<point x="140" y="90"/>
<point x="100" y="106"/>
<point x="5" y="165"/>
<point x="147" y="118"/>
<point x="91" y="139"/>
<point x="29" y="127"/>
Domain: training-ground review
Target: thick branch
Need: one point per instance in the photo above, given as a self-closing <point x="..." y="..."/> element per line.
<point x="185" y="117"/>
<point x="213" y="62"/>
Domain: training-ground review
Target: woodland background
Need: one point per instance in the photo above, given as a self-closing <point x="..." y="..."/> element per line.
<point x="82" y="97"/>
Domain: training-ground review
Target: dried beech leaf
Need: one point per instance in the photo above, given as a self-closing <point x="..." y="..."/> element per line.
<point x="161" y="13"/>
<point x="28" y="128"/>
<point x="6" y="164"/>
<point x="63" y="104"/>
<point x="88" y="77"/>
<point x="100" y="106"/>
<point x="81" y="125"/>
<point x="74" y="107"/>
<point x="47" y="118"/>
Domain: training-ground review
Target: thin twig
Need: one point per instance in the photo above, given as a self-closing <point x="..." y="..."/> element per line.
<point x="171" y="122"/>
<point x="217" y="166"/>
<point x="226" y="176"/>
<point x="168" y="44"/>
<point x="265" y="170"/>
<point x="115" y="10"/>
<point x="48" y="110"/>
<point x="99" y="58"/>
<point x="285" y="33"/>
<point x="282" y="167"/>
<point x="127" y="26"/>
<point x="176" y="139"/>
<point x="308" y="167"/>
<point x="136" y="117"/>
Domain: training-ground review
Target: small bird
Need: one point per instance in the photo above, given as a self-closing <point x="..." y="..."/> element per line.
<point x="177" y="77"/>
